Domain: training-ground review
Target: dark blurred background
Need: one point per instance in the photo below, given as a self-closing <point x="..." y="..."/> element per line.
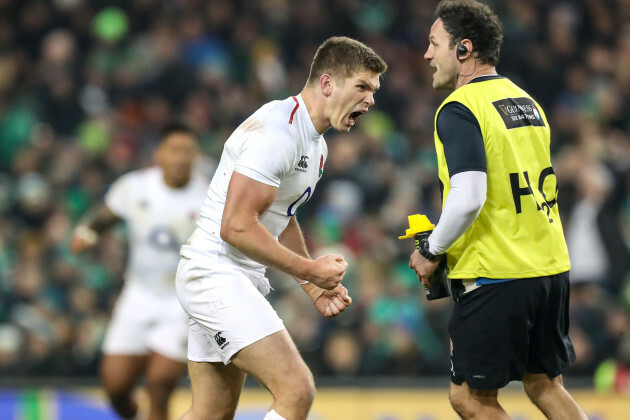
<point x="85" y="86"/>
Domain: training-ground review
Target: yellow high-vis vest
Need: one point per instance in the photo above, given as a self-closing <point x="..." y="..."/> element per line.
<point x="518" y="233"/>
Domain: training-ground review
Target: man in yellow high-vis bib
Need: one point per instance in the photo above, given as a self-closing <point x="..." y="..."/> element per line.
<point x="500" y="225"/>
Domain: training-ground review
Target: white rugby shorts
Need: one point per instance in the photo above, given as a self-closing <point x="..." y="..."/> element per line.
<point x="145" y="321"/>
<point x="227" y="309"/>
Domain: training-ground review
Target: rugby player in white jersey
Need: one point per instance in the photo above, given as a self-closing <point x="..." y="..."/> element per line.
<point x="269" y="167"/>
<point x="148" y="331"/>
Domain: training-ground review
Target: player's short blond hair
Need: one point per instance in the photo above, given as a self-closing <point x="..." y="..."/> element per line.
<point x="342" y="57"/>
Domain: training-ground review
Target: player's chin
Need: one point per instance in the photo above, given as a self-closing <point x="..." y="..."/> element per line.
<point x="438" y="83"/>
<point x="181" y="178"/>
<point x="444" y="84"/>
<point x="343" y="127"/>
<point x="347" y="122"/>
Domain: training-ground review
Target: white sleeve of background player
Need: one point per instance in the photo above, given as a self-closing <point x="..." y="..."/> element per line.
<point x="119" y="195"/>
<point x="463" y="204"/>
<point x="267" y="157"/>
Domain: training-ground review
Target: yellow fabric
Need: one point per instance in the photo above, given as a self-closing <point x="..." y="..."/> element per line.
<point x="503" y="242"/>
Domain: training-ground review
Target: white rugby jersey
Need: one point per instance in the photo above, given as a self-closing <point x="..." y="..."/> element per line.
<point x="159" y="220"/>
<point x="278" y="145"/>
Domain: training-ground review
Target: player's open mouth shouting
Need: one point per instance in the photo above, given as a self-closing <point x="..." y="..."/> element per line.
<point x="354" y="116"/>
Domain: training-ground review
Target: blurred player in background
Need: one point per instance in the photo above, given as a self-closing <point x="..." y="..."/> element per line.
<point x="269" y="167"/>
<point x="148" y="331"/>
<point x="500" y="225"/>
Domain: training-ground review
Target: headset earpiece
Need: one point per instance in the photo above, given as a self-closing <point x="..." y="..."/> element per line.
<point x="461" y="50"/>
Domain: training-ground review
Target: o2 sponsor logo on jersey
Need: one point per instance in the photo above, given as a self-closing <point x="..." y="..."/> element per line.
<point x="162" y="237"/>
<point x="297" y="203"/>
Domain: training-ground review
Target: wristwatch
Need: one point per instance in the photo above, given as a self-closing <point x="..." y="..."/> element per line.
<point x="423" y="249"/>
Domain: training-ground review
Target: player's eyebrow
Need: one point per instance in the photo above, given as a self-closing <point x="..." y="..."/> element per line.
<point x="372" y="87"/>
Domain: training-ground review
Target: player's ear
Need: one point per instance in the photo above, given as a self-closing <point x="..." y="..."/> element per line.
<point x="325" y="84"/>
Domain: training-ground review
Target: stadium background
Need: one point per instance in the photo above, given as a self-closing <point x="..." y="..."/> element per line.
<point x="85" y="85"/>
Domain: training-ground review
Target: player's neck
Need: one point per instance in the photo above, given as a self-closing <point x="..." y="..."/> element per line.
<point x="481" y="70"/>
<point x="315" y="108"/>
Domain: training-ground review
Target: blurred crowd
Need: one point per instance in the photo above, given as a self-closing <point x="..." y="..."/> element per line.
<point x="85" y="86"/>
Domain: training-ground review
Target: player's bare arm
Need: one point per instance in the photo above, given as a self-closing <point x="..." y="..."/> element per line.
<point x="246" y="200"/>
<point x="328" y="302"/>
<point x="86" y="234"/>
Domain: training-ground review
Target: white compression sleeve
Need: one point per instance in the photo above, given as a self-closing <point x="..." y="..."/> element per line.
<point x="463" y="204"/>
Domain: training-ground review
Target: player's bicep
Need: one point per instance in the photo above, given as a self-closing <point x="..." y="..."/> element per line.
<point x="246" y="199"/>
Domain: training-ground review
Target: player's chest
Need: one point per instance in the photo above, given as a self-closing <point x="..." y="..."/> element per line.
<point x="306" y="171"/>
<point x="179" y="212"/>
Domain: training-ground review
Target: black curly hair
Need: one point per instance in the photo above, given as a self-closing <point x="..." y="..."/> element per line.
<point x="469" y="19"/>
<point x="176" y="126"/>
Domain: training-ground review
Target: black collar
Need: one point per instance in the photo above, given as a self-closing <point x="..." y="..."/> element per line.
<point x="485" y="78"/>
